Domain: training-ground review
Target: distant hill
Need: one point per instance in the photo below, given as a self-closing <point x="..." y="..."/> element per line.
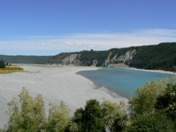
<point x="161" y="56"/>
<point x="26" y="59"/>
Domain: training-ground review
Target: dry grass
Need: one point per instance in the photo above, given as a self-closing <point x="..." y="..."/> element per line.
<point x="10" y="69"/>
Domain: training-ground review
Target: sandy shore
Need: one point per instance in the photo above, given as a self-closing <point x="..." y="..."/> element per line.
<point x="121" y="65"/>
<point x="55" y="83"/>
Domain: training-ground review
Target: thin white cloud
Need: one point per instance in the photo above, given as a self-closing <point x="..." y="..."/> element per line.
<point x="78" y="42"/>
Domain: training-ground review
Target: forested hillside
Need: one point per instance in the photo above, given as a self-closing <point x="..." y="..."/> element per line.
<point x="161" y="56"/>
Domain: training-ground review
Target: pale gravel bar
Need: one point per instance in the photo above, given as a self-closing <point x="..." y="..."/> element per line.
<point x="55" y="83"/>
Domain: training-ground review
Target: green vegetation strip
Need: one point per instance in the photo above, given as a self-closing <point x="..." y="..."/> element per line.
<point x="153" y="109"/>
<point x="10" y="69"/>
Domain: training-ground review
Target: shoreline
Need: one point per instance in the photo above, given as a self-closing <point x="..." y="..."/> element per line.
<point x="157" y="71"/>
<point x="112" y="88"/>
<point x="145" y="70"/>
<point x="96" y="68"/>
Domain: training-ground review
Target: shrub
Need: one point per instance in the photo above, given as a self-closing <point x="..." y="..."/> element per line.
<point x="154" y="122"/>
<point x="146" y="97"/>
<point x="97" y="117"/>
<point x="26" y="114"/>
<point x="11" y="69"/>
<point x="167" y="101"/>
<point x="58" y="118"/>
<point x="89" y="119"/>
<point x="115" y="115"/>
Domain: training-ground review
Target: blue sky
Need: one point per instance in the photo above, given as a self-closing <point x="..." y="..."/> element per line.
<point x="48" y="27"/>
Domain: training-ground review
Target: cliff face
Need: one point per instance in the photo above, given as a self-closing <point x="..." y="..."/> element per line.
<point x="71" y="59"/>
<point x="125" y="58"/>
<point x="75" y="59"/>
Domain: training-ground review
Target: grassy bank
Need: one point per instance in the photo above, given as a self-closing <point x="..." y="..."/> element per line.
<point x="10" y="69"/>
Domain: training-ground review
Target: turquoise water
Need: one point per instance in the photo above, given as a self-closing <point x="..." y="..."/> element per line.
<point x="122" y="81"/>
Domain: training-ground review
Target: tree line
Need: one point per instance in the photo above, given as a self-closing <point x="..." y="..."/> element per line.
<point x="152" y="109"/>
<point x="2" y="64"/>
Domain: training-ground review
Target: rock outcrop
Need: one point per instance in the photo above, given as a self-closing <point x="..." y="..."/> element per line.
<point x="74" y="59"/>
<point x="108" y="60"/>
<point x="71" y="59"/>
<point x="127" y="57"/>
<point x="124" y="58"/>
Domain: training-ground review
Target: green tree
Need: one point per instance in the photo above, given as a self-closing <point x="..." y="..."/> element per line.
<point x="2" y="64"/>
<point x="154" y="104"/>
<point x="72" y="127"/>
<point x="146" y="97"/>
<point x="27" y="114"/>
<point x="153" y="122"/>
<point x="115" y="115"/>
<point x="78" y="118"/>
<point x="91" y="118"/>
<point x="167" y="101"/>
<point x="58" y="118"/>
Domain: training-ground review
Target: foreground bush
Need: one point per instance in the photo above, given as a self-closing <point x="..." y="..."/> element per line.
<point x="153" y="97"/>
<point x="154" y="122"/>
<point x="167" y="101"/>
<point x="28" y="115"/>
<point x="58" y="118"/>
<point x="115" y="115"/>
<point x="89" y="119"/>
<point x="152" y="110"/>
<point x="96" y="117"/>
<point x="146" y="97"/>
